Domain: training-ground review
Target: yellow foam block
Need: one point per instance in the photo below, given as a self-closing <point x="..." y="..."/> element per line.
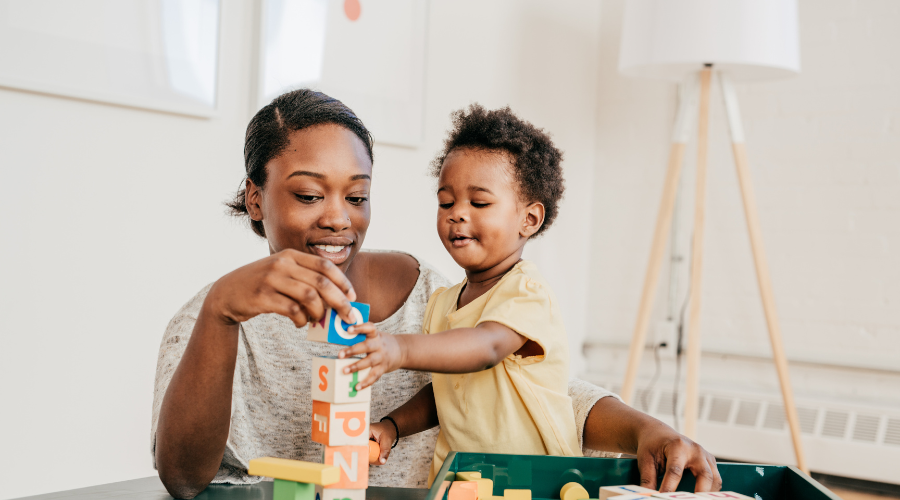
<point x="485" y="488"/>
<point x="469" y="475"/>
<point x="517" y="494"/>
<point x="573" y="491"/>
<point x="294" y="470"/>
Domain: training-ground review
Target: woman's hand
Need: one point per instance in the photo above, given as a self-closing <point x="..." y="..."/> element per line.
<point x="294" y="284"/>
<point x="660" y="449"/>
<point x="385" y="435"/>
<point x="384" y="353"/>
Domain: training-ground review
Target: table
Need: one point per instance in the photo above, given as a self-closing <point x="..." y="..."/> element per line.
<point x="151" y="488"/>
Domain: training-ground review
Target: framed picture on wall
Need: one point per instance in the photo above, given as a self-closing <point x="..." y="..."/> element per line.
<point x="154" y="54"/>
<point x="370" y="54"/>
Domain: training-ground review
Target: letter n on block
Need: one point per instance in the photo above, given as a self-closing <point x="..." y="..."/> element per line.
<point x="331" y="385"/>
<point x="353" y="461"/>
<point x="341" y="424"/>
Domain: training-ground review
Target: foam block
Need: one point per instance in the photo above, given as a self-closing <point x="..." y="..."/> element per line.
<point x="294" y="470"/>
<point x="626" y="489"/>
<point x="677" y="495"/>
<point x="463" y="490"/>
<point x="339" y="494"/>
<point x="573" y="491"/>
<point x="341" y="424"/>
<point x="353" y="464"/>
<point x="468" y="475"/>
<point x="630" y="496"/>
<point x="374" y="452"/>
<point x="333" y="329"/>
<point x="292" y="490"/>
<point x="331" y="385"/>
<point x="517" y="494"/>
<point x="485" y="488"/>
<point x="723" y="494"/>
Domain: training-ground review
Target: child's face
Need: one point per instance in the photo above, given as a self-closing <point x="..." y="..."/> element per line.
<point x="481" y="219"/>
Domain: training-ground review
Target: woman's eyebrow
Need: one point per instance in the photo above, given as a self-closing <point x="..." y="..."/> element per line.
<point x="317" y="175"/>
<point x="360" y="177"/>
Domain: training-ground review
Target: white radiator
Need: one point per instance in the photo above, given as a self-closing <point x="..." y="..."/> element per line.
<point x="849" y="441"/>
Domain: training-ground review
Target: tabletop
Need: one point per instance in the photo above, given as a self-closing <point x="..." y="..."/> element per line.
<point x="151" y="488"/>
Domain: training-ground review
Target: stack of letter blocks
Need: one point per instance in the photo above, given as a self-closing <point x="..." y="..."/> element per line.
<point x="340" y="413"/>
<point x="340" y="421"/>
<point x="470" y="486"/>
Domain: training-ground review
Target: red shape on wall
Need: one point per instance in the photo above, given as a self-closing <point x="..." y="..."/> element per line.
<point x="352" y="9"/>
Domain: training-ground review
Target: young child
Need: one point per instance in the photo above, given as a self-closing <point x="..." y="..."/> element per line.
<point x="495" y="342"/>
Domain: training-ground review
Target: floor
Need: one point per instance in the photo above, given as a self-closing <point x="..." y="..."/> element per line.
<point x="846" y="494"/>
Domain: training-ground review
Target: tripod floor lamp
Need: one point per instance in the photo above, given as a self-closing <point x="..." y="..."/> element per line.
<point x="693" y="41"/>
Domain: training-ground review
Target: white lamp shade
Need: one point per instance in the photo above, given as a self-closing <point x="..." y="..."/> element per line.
<point x="751" y="39"/>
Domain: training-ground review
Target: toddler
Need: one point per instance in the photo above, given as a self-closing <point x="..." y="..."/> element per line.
<point x="495" y="343"/>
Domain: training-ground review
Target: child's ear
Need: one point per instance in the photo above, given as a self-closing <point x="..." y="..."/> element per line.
<point x="252" y="200"/>
<point x="533" y="220"/>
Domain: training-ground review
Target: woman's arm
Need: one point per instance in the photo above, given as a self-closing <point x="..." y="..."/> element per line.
<point x="195" y="415"/>
<point x="614" y="426"/>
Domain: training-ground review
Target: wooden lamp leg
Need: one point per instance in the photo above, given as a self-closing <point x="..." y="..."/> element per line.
<point x="692" y="392"/>
<point x="680" y="137"/>
<point x="762" y="266"/>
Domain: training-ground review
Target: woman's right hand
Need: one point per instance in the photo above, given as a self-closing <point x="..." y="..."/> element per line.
<point x="294" y="284"/>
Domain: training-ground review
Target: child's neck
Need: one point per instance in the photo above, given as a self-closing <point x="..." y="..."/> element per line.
<point x="478" y="282"/>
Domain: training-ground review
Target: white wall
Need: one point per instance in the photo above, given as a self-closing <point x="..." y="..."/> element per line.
<point x="823" y="150"/>
<point x="115" y="220"/>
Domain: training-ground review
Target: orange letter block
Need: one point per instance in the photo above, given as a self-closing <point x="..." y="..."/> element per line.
<point x="341" y="424"/>
<point x="353" y="463"/>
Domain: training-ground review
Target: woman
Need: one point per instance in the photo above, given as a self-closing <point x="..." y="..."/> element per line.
<point x="233" y="377"/>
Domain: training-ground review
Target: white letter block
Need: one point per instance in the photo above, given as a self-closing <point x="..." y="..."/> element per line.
<point x="335" y="494"/>
<point x="331" y="385"/>
<point x="341" y="424"/>
<point x="627" y="489"/>
<point x="724" y="494"/>
<point x="678" y="495"/>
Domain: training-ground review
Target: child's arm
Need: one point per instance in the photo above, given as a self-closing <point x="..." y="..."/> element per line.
<point x="416" y="415"/>
<point x="461" y="350"/>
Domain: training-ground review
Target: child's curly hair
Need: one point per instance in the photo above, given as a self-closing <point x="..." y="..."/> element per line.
<point x="536" y="162"/>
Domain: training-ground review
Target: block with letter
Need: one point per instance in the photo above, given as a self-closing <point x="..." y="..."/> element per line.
<point x="353" y="464"/>
<point x="630" y="496"/>
<point x="333" y="329"/>
<point x="331" y="385"/>
<point x="339" y="494"/>
<point x="294" y="470"/>
<point x="677" y="495"/>
<point x="724" y="494"/>
<point x="625" y="489"/>
<point x="341" y="425"/>
<point x="463" y="490"/>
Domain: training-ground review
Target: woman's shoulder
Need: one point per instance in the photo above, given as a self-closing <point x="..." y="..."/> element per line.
<point x="404" y="268"/>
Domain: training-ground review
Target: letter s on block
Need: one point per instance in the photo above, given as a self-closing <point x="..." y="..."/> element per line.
<point x="323" y="370"/>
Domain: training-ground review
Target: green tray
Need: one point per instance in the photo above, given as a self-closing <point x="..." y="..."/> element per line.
<point x="545" y="475"/>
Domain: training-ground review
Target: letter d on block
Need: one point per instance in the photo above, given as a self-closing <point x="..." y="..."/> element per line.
<point x="353" y="463"/>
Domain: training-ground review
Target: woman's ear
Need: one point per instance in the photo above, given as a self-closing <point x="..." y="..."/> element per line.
<point x="533" y="220"/>
<point x="253" y="200"/>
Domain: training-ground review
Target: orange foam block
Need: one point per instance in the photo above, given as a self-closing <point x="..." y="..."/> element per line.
<point x="374" y="452"/>
<point x="354" y="468"/>
<point x="463" y="490"/>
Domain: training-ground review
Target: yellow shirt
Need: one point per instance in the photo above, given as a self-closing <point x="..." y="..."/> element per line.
<point x="521" y="406"/>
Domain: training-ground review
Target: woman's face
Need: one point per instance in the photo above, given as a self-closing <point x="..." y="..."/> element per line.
<point x="316" y="197"/>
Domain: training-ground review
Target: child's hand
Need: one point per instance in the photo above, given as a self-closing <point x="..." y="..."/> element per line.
<point x="385" y="435"/>
<point x="383" y="353"/>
